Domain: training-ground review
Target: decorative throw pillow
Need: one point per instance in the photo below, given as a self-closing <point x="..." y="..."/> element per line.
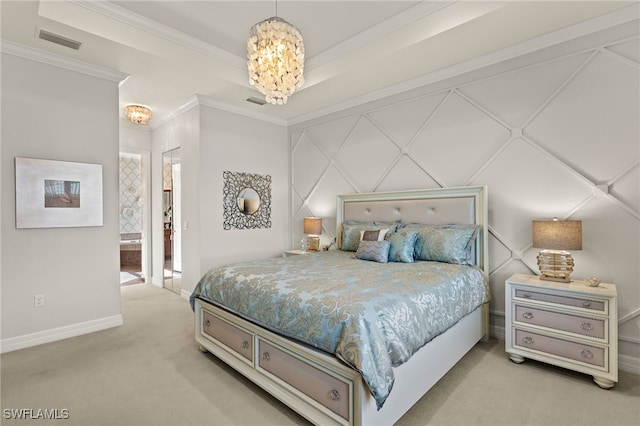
<point x="377" y="235"/>
<point x="378" y="251"/>
<point x="402" y="246"/>
<point x="351" y="233"/>
<point x="445" y="244"/>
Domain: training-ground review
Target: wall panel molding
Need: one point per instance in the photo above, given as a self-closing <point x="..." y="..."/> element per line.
<point x="539" y="160"/>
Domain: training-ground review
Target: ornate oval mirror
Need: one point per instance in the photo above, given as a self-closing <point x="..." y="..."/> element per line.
<point x="248" y="201"/>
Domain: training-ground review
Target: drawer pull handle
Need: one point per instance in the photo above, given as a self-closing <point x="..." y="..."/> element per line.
<point x="334" y="395"/>
<point x="586" y="304"/>
<point x="527" y="295"/>
<point x="586" y="353"/>
<point x="586" y="326"/>
<point x="527" y="315"/>
<point x="245" y="345"/>
<point x="527" y="340"/>
<point x="207" y="323"/>
<point x="266" y="356"/>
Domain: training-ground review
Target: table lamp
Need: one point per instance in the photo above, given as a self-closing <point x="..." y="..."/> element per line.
<point x="555" y="237"/>
<point x="313" y="229"/>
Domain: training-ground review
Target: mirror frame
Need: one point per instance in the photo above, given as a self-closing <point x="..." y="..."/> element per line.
<point x="234" y="183"/>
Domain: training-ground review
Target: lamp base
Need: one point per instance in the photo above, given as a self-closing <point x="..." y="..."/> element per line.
<point x="313" y="243"/>
<point x="555" y="265"/>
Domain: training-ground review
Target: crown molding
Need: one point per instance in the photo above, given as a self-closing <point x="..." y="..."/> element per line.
<point x="206" y="101"/>
<point x="200" y="100"/>
<point x="28" y="52"/>
<point x="178" y="111"/>
<point x="157" y="29"/>
<point x="618" y="17"/>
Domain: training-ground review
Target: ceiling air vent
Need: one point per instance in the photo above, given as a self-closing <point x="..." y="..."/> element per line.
<point x="58" y="39"/>
<point x="256" y="101"/>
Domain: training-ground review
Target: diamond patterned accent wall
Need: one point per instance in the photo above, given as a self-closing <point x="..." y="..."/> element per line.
<point x="130" y="195"/>
<point x="558" y="138"/>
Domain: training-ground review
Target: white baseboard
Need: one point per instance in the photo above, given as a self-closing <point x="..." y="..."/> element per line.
<point x="625" y="362"/>
<point x="47" y="336"/>
<point x="629" y="364"/>
<point x="185" y="294"/>
<point x="497" y="332"/>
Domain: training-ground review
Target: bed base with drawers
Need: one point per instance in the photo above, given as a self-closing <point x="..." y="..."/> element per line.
<point x="317" y="385"/>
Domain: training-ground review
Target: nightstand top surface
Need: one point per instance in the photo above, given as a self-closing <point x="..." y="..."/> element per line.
<point x="293" y="252"/>
<point x="579" y="286"/>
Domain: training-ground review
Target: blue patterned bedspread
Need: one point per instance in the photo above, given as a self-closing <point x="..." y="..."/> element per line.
<point x="372" y="316"/>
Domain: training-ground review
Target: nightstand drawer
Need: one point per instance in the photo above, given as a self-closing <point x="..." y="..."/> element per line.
<point x="584" y="326"/>
<point x="558" y="299"/>
<point x="575" y="351"/>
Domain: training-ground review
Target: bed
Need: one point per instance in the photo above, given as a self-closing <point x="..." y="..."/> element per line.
<point x="343" y="340"/>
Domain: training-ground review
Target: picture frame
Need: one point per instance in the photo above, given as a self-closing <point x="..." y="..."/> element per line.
<point x="55" y="194"/>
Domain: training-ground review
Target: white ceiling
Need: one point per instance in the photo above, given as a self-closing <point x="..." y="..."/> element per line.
<point x="355" y="50"/>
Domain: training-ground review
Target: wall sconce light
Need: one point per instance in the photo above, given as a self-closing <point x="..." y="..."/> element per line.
<point x="554" y="237"/>
<point x="138" y="114"/>
<point x="313" y="229"/>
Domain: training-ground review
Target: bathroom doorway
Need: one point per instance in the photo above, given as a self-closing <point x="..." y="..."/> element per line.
<point x="132" y="218"/>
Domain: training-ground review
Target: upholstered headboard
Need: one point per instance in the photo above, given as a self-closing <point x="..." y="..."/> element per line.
<point x="463" y="206"/>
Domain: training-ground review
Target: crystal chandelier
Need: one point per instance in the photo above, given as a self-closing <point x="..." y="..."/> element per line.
<point x="138" y="114"/>
<point x="275" y="59"/>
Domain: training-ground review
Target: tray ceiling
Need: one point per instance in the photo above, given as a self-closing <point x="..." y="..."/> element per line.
<point x="356" y="50"/>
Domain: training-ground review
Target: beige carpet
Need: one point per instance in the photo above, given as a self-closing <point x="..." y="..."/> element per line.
<point x="150" y="372"/>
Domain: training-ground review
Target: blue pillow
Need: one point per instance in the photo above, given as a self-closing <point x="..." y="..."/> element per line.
<point x="378" y="251"/>
<point x="402" y="246"/>
<point x="445" y="244"/>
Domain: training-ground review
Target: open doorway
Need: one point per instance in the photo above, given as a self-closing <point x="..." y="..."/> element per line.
<point x="132" y="221"/>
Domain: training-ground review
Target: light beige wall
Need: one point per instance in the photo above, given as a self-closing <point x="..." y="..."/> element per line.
<point x="552" y="134"/>
<point x="53" y="113"/>
<point x="232" y="142"/>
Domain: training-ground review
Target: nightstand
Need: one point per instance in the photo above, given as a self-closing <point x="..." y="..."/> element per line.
<point x="571" y="325"/>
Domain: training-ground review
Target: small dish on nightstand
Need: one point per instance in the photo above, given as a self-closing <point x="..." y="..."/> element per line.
<point x="593" y="281"/>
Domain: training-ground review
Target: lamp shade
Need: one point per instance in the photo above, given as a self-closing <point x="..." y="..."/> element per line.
<point x="557" y="234"/>
<point x="313" y="225"/>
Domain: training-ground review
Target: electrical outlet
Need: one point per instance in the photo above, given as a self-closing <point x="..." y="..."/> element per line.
<point x="38" y="300"/>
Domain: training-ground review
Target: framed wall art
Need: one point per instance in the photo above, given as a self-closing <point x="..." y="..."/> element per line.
<point x="246" y="200"/>
<point x="54" y="194"/>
